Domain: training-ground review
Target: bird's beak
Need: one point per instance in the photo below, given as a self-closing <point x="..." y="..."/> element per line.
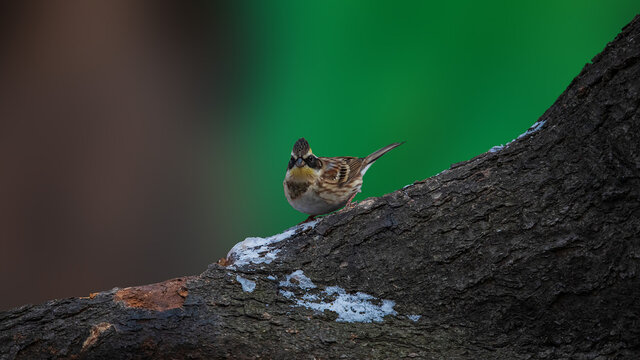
<point x="299" y="162"/>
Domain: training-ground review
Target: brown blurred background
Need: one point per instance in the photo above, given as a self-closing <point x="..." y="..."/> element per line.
<point x="110" y="111"/>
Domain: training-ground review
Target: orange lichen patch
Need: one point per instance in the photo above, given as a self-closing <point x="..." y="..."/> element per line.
<point x="353" y="338"/>
<point x="183" y="292"/>
<point x="91" y="296"/>
<point x="224" y="262"/>
<point x="94" y="333"/>
<point x="162" y="296"/>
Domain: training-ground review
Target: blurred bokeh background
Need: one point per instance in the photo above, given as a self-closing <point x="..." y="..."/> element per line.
<point x="139" y="140"/>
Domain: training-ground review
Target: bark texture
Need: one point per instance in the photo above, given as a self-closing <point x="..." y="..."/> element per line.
<point x="532" y="251"/>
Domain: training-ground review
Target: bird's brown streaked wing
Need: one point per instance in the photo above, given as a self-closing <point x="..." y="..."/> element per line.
<point x="341" y="170"/>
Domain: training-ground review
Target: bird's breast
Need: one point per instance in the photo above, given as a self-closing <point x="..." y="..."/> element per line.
<point x="296" y="189"/>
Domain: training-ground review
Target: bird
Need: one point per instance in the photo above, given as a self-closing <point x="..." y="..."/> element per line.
<point x="319" y="185"/>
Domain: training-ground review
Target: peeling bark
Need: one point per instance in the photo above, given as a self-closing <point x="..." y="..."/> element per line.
<point x="531" y="251"/>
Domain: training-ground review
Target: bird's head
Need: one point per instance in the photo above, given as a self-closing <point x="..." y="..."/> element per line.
<point x="303" y="164"/>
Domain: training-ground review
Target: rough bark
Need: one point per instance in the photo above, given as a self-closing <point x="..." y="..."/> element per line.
<point x="532" y="251"/>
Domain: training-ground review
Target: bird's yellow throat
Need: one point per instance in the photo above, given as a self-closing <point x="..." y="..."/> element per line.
<point x="303" y="173"/>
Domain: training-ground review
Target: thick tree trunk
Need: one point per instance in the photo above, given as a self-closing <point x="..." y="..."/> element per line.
<point x="531" y="250"/>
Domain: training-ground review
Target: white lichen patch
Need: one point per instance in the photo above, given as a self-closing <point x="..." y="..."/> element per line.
<point x="298" y="279"/>
<point x="358" y="307"/>
<point x="255" y="250"/>
<point x="247" y="285"/>
<point x="414" y="318"/>
<point x="535" y="127"/>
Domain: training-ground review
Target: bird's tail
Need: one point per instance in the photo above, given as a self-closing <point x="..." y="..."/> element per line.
<point x="376" y="155"/>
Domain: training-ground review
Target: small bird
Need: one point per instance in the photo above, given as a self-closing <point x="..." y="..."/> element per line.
<point x="319" y="185"/>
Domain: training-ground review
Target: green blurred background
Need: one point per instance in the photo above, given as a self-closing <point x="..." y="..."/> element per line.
<point x="142" y="139"/>
<point x="452" y="79"/>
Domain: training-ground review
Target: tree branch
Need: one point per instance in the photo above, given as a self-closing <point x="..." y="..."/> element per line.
<point x="530" y="250"/>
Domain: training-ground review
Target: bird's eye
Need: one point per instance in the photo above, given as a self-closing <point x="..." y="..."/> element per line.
<point x="312" y="161"/>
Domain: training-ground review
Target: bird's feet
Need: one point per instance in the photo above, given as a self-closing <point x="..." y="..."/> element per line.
<point x="310" y="218"/>
<point x="350" y="204"/>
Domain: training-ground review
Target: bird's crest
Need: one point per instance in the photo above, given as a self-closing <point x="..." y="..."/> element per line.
<point x="301" y="148"/>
